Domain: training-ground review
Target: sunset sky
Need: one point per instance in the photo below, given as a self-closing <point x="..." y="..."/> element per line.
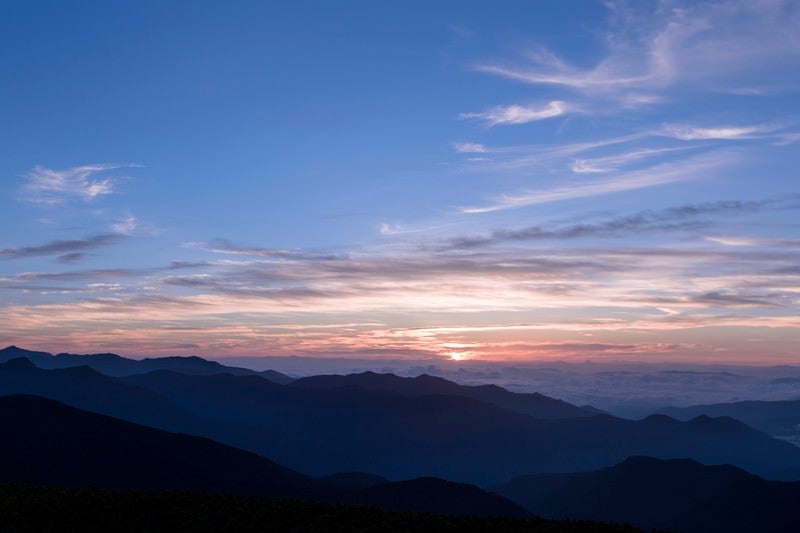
<point x="455" y="180"/>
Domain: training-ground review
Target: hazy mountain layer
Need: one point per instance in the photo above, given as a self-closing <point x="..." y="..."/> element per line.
<point x="116" y="365"/>
<point x="536" y="405"/>
<point x="352" y="429"/>
<point x="449" y="436"/>
<point x="780" y="418"/>
<point x="49" y="443"/>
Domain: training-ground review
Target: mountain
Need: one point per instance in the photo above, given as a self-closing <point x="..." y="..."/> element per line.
<point x="535" y="404"/>
<point x="46" y="442"/>
<point x="432" y="495"/>
<point x="116" y="365"/>
<point x="451" y="437"/>
<point x="676" y="494"/>
<point x="88" y="389"/>
<point x="49" y="443"/>
<point x="390" y="435"/>
<point x="779" y="418"/>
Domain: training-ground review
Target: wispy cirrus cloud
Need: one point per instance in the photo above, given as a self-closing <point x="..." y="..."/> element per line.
<point x="67" y="247"/>
<point x="684" y="170"/>
<point x="49" y="187"/>
<point x="469" y="148"/>
<point x="730" y="133"/>
<point x="126" y="225"/>
<point x="516" y="114"/>
<point x="728" y="240"/>
<point x="711" y="46"/>
<point x="224" y="246"/>
<point x="598" y="165"/>
<point x="688" y="217"/>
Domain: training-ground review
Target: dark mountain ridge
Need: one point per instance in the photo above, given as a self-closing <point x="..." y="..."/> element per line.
<point x="533" y="404"/>
<point x="448" y="436"/>
<point x="117" y="366"/>
<point x="388" y="434"/>
<point x="676" y="494"/>
<point x="778" y="418"/>
<point x="46" y="442"/>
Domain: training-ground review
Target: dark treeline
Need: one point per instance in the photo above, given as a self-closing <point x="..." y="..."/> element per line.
<point x="31" y="508"/>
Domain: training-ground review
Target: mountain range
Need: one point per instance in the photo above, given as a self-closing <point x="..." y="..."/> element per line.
<point x="420" y="444"/>
<point x="536" y="405"/>
<point x="778" y="418"/>
<point x="400" y="433"/>
<point x="115" y="365"/>
<point x="678" y="494"/>
<point x="46" y="442"/>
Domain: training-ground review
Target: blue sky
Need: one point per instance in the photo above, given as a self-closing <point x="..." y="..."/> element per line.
<point x="425" y="180"/>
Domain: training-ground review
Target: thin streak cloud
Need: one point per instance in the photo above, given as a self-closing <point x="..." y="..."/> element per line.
<point x="59" y="247"/>
<point x="600" y="165"/>
<point x="515" y="114"/>
<point x="730" y="133"/>
<point x="469" y="148"/>
<point x="224" y="246"/>
<point x="678" y="218"/>
<point x="689" y="169"/>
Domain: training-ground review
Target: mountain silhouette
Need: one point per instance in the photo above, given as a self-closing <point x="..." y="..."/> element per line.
<point x="46" y="442"/>
<point x="391" y="435"/>
<point x="431" y="495"/>
<point x="679" y="494"/>
<point x="772" y="417"/>
<point x="85" y="388"/>
<point x="49" y="443"/>
<point x="116" y="365"/>
<point x="536" y="405"/>
<point x="451" y="437"/>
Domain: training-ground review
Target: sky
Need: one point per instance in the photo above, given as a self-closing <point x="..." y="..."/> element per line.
<point x="514" y="181"/>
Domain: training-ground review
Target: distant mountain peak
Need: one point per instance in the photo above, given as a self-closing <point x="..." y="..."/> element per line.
<point x="659" y="418"/>
<point x="19" y="363"/>
<point x="13" y="349"/>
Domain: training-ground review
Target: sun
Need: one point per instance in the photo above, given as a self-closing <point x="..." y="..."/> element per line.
<point x="457" y="356"/>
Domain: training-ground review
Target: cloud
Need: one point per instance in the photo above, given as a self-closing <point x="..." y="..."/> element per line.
<point x="721" y="299"/>
<point x="71" y="257"/>
<point x="750" y="241"/>
<point x="518" y="157"/>
<point x="716" y="46"/>
<point x="565" y="75"/>
<point x="61" y="247"/>
<point x="732" y="241"/>
<point x="688" y="169"/>
<point x="678" y="218"/>
<point x="529" y="298"/>
<point x="47" y="186"/>
<point x="224" y="246"/>
<point x="469" y="148"/>
<point x="394" y="229"/>
<point x="126" y="225"/>
<point x="598" y="165"/>
<point x="79" y="275"/>
<point x="731" y="133"/>
<point x="515" y="114"/>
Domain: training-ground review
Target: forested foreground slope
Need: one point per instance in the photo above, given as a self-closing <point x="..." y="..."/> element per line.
<point x="30" y="508"/>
